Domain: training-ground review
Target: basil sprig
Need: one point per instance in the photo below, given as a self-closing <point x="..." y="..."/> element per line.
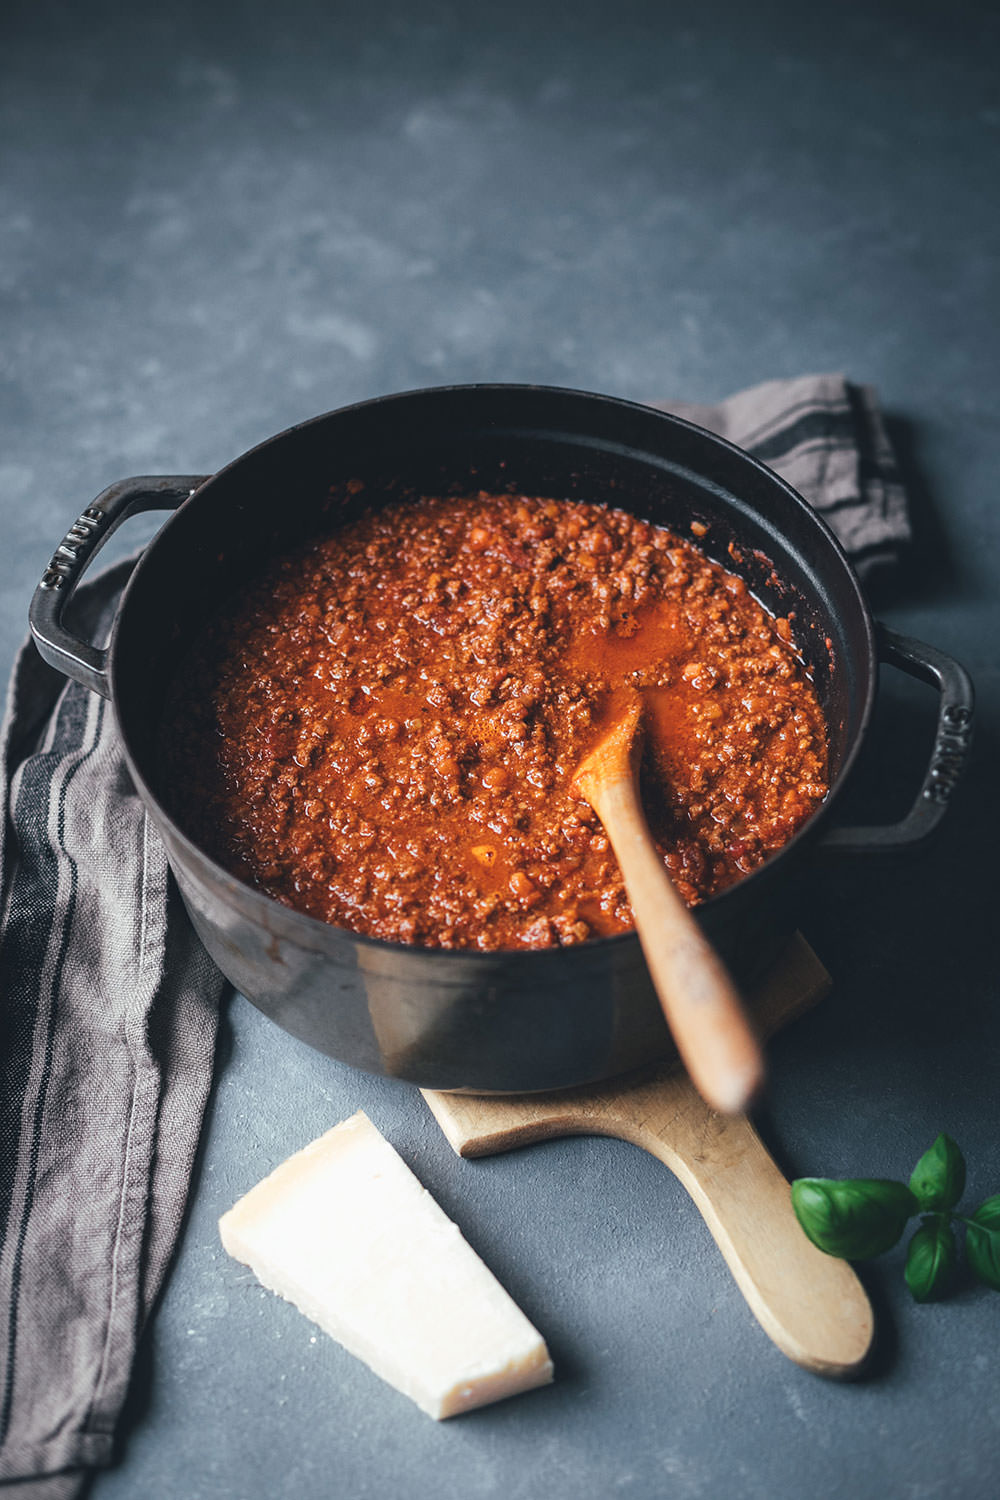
<point x="858" y="1218"/>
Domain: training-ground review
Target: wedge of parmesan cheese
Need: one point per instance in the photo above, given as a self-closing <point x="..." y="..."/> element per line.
<point x="344" y="1230"/>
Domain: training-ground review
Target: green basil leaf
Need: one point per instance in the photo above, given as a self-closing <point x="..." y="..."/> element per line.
<point x="930" y="1259"/>
<point x="938" y="1179"/>
<point x="855" y="1218"/>
<point x="982" y="1242"/>
<point x="988" y="1213"/>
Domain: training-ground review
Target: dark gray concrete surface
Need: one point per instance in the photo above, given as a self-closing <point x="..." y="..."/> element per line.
<point x="218" y="219"/>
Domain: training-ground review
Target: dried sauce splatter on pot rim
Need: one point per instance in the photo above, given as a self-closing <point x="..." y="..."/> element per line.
<point x="382" y="729"/>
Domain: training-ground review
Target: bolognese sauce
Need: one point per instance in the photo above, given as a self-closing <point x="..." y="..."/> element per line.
<point x="382" y="729"/>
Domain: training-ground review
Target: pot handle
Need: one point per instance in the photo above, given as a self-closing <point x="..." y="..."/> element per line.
<point x="78" y="659"/>
<point x="952" y="744"/>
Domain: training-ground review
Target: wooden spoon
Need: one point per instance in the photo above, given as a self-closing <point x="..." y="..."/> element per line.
<point x="699" y="1000"/>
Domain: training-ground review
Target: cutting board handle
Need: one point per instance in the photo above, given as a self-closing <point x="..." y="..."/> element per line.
<point x="812" y="1306"/>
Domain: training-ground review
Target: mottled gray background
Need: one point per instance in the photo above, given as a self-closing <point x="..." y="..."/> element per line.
<point x="216" y="220"/>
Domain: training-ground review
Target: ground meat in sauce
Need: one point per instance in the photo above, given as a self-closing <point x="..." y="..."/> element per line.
<point x="382" y="729"/>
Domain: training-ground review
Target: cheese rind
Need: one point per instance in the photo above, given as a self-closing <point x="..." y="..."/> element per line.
<point x="344" y="1230"/>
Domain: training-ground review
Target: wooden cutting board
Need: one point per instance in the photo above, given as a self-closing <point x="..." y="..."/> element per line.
<point x="812" y="1306"/>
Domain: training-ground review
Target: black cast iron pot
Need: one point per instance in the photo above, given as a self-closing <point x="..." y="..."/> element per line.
<point x="482" y="1021"/>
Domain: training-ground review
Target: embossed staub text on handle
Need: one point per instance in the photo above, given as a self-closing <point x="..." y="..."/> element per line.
<point x="950" y="751"/>
<point x="73" y="549"/>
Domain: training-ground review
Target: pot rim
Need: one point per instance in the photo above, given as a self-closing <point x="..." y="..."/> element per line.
<point x="298" y="924"/>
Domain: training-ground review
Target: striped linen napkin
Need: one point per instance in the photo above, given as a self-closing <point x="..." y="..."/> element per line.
<point x="828" y="439"/>
<point x="109" y="1005"/>
<point x="108" y="1013"/>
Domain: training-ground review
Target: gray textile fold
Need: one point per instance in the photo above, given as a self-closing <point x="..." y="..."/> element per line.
<point x="109" y="1011"/>
<point x="827" y="438"/>
<point x="108" y="1004"/>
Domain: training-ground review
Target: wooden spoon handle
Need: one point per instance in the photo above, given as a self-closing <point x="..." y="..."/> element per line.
<point x="699" y="1000"/>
